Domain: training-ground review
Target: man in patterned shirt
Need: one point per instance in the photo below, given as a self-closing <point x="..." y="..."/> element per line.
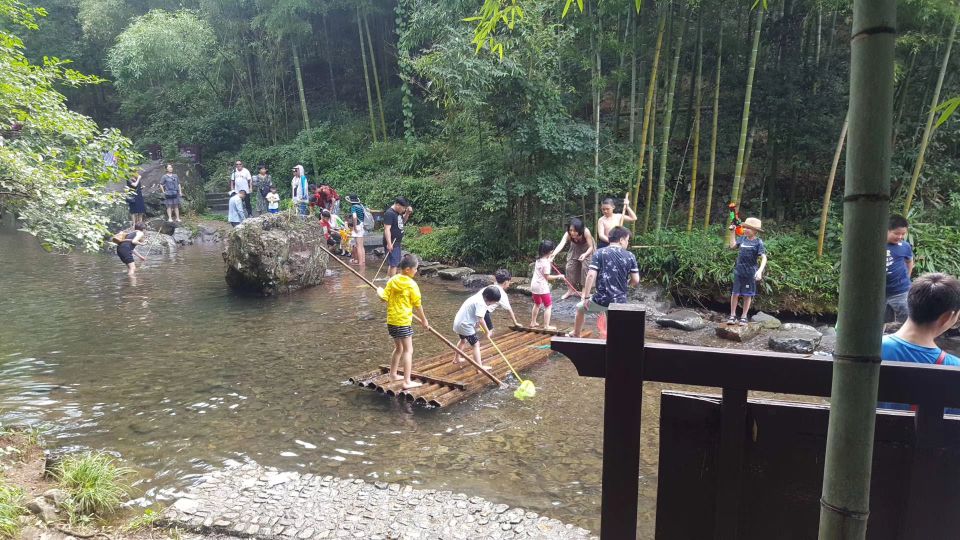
<point x="612" y="268"/>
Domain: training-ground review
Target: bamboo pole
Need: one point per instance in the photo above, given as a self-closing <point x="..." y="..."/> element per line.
<point x="649" y="108"/>
<point x="667" y="125"/>
<point x="650" y="150"/>
<point x="928" y="130"/>
<point x="366" y="80"/>
<point x="713" y="135"/>
<point x="745" y="170"/>
<point x="845" y="501"/>
<point x="376" y="77"/>
<point x="825" y="211"/>
<point x="745" y="119"/>
<point x="429" y="328"/>
<point x="696" y="123"/>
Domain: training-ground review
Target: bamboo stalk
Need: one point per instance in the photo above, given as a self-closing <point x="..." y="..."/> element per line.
<point x="649" y="108"/>
<point x="745" y="118"/>
<point x="667" y="125"/>
<point x="713" y="134"/>
<point x="376" y="78"/>
<point x="825" y="211"/>
<point x="698" y="99"/>
<point x="366" y="80"/>
<point x="649" y="199"/>
<point x="845" y="501"/>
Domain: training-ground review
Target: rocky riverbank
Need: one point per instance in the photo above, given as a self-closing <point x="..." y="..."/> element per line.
<point x="253" y="501"/>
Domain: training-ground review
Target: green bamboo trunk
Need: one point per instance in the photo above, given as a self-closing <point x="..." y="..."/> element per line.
<point x="745" y="170"/>
<point x="745" y="120"/>
<point x="845" y="501"/>
<point x="303" y="97"/>
<point x="928" y="130"/>
<point x="366" y="80"/>
<point x="825" y="211"/>
<point x="713" y="134"/>
<point x="649" y="108"/>
<point x="697" y="101"/>
<point x="650" y="158"/>
<point x="376" y="78"/>
<point x="667" y="121"/>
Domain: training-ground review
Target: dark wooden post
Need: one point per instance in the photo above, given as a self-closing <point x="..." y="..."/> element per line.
<point x="733" y="428"/>
<point x="623" y="397"/>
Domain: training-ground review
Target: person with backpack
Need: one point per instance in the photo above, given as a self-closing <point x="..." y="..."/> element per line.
<point x="358" y="214"/>
<point x="127" y="243"/>
<point x="170" y="186"/>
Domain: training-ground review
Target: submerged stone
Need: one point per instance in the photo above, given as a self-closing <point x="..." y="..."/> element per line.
<point x="453" y="274"/>
<point x="275" y="254"/>
<point x="477" y="281"/>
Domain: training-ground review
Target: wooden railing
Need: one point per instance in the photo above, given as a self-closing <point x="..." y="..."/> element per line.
<point x="626" y="362"/>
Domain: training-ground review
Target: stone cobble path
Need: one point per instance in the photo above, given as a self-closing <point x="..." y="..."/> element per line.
<point x="259" y="502"/>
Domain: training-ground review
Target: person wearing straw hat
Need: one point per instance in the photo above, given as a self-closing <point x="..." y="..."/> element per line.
<point x="746" y="274"/>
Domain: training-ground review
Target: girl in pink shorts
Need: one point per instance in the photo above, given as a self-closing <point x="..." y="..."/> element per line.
<point x="540" y="285"/>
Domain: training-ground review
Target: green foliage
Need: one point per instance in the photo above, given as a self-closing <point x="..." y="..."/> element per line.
<point x="53" y="171"/>
<point x="144" y="521"/>
<point x="11" y="508"/>
<point x="95" y="484"/>
<point x="936" y="247"/>
<point x="699" y="266"/>
<point x="443" y="245"/>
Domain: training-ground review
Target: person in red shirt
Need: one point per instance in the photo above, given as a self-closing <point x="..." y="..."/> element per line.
<point x="329" y="198"/>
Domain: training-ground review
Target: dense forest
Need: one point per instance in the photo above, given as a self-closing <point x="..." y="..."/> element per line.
<point x="502" y="118"/>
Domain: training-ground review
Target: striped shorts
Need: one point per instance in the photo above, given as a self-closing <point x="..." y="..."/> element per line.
<point x="399" y="332"/>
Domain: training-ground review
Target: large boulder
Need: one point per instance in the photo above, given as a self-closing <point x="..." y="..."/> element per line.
<point x="275" y="254"/>
<point x="654" y="298"/>
<point x="735" y="332"/>
<point x="683" y="319"/>
<point x="795" y="338"/>
<point x="477" y="281"/>
<point x="767" y="321"/>
<point x="453" y="274"/>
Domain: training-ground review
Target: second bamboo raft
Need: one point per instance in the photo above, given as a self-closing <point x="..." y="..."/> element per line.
<point x="446" y="383"/>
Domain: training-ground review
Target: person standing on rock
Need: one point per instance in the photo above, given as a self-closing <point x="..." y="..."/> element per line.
<point x="240" y="181"/>
<point x="299" y="190"/>
<point x="172" y="199"/>
<point x="262" y="183"/>
<point x="236" y="211"/>
<point x="393" y="233"/>
<point x="135" y="200"/>
<point x="582" y="247"/>
<point x="745" y="272"/>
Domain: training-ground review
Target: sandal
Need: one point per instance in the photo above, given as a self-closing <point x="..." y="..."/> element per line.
<point x="732" y="319"/>
<point x="744" y="321"/>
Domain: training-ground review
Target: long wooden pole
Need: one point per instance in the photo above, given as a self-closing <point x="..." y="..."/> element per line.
<point x="825" y="211"/>
<point x="845" y="500"/>
<point x="713" y="135"/>
<point x="429" y="328"/>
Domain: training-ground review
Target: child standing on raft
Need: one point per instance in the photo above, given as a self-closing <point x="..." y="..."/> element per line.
<point x="540" y="285"/>
<point x="403" y="297"/>
<point x="471" y="314"/>
<point x="745" y="272"/>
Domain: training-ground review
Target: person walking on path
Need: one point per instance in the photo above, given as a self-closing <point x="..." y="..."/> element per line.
<point x="127" y="248"/>
<point x="240" y="181"/>
<point x="393" y="233"/>
<point x="612" y="268"/>
<point x="899" y="268"/>
<point x="172" y="195"/>
<point x="582" y="247"/>
<point x="237" y="211"/>
<point x="299" y="190"/>
<point x="262" y="183"/>
<point x="135" y="200"/>
<point x="609" y="220"/>
<point x="402" y="296"/>
<point x="745" y="271"/>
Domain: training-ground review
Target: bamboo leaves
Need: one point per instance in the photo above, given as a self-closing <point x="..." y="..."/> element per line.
<point x="946" y="110"/>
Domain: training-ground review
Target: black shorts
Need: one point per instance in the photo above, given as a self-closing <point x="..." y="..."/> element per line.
<point x="126" y="255"/>
<point x="472" y="339"/>
<point x="399" y="332"/>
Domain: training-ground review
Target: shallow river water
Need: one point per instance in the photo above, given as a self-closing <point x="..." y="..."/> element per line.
<point x="180" y="376"/>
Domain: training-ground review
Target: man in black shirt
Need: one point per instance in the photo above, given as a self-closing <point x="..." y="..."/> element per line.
<point x="393" y="233"/>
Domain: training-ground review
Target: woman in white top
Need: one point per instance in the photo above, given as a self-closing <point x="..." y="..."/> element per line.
<point x="356" y="230"/>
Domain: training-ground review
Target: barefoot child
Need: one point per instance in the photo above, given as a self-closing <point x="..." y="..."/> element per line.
<point x="540" y="285"/>
<point x="403" y="297"/>
<point x="609" y="220"/>
<point x="470" y="315"/>
<point x="503" y="278"/>
<point x="745" y="272"/>
<point x="612" y="268"/>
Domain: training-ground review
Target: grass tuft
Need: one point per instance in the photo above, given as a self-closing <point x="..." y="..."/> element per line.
<point x="11" y="508"/>
<point x="95" y="484"/>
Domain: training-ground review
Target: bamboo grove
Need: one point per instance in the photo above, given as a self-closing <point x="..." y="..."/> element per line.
<point x="528" y="110"/>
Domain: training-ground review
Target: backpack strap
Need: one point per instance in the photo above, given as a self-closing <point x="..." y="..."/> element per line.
<point x="942" y="357"/>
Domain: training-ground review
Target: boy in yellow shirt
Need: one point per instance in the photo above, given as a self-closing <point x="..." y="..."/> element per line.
<point x="403" y="297"/>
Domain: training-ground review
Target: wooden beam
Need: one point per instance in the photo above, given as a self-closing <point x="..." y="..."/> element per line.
<point x="733" y="430"/>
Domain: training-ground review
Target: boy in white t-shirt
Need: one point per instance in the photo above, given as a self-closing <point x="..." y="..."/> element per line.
<point x="503" y="278"/>
<point x="471" y="314"/>
<point x="273" y="200"/>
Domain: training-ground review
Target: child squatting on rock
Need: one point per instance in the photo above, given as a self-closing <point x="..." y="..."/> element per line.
<point x="403" y="297"/>
<point x="745" y="271"/>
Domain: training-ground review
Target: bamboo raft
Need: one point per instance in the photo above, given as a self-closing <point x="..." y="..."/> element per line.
<point x="446" y="383"/>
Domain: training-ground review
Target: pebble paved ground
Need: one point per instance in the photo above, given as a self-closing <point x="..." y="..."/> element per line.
<point x="258" y="502"/>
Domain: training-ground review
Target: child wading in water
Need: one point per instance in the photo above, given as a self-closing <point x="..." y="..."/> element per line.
<point x="540" y="285"/>
<point x="472" y="313"/>
<point x="403" y="297"/>
<point x="745" y="272"/>
<point x="609" y="220"/>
